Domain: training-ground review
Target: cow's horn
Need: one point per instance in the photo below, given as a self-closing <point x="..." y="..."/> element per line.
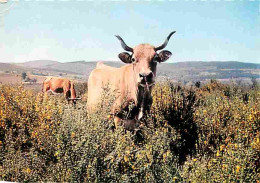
<point x="165" y="42"/>
<point x="125" y="47"/>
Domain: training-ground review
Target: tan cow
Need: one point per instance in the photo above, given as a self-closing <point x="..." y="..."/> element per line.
<point x="60" y="85"/>
<point x="131" y="83"/>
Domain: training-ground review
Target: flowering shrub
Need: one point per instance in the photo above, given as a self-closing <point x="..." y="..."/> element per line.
<point x="28" y="124"/>
<point x="228" y="148"/>
<point x="206" y="134"/>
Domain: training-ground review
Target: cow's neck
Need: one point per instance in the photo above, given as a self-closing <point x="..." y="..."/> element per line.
<point x="142" y="92"/>
<point x="129" y="81"/>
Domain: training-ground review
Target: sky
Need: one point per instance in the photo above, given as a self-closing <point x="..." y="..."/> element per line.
<point x="66" y="30"/>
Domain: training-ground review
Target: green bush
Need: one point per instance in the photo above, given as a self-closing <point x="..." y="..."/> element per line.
<point x="200" y="135"/>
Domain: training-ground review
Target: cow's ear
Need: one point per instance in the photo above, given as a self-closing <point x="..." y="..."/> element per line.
<point x="125" y="57"/>
<point x="164" y="55"/>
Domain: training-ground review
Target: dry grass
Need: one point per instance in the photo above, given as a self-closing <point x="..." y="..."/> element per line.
<point x="10" y="78"/>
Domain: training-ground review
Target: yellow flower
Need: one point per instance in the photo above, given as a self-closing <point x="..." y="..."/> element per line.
<point x="112" y="160"/>
<point x="217" y="154"/>
<point x="222" y="147"/>
<point x="168" y="153"/>
<point x="224" y="166"/>
<point x="73" y="135"/>
<point x="194" y="159"/>
<point x="237" y="168"/>
<point x="164" y="156"/>
<point x="28" y="170"/>
<point x="133" y="167"/>
<point x="56" y="154"/>
<point x="174" y="179"/>
<point x="125" y="158"/>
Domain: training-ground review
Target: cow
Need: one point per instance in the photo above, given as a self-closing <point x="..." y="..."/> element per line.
<point x="132" y="83"/>
<point x="60" y="85"/>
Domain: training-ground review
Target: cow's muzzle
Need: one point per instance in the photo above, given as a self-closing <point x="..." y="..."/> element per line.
<point x="146" y="75"/>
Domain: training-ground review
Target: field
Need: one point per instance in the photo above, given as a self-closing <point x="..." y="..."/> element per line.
<point x="208" y="133"/>
<point x="9" y="78"/>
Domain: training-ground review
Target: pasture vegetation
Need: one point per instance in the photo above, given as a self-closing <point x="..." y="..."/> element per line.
<point x="207" y="134"/>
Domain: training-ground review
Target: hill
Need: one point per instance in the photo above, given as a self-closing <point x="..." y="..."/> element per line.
<point x="180" y="71"/>
<point x="6" y="67"/>
<point x="209" y="70"/>
<point x="37" y="63"/>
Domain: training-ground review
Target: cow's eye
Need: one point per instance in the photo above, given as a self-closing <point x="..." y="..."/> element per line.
<point x="133" y="59"/>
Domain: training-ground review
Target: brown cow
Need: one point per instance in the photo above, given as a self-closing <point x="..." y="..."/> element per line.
<point x="60" y="85"/>
<point x="132" y="83"/>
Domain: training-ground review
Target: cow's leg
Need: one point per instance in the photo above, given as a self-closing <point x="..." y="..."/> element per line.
<point x="115" y="110"/>
<point x="53" y="92"/>
<point x="66" y="94"/>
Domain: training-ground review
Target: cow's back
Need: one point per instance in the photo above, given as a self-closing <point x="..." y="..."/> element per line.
<point x="101" y="65"/>
<point x="56" y="84"/>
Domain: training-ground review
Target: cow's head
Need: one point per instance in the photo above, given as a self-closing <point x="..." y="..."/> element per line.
<point x="144" y="57"/>
<point x="73" y="97"/>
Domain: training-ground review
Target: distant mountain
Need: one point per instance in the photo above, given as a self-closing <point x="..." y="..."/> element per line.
<point x="188" y="71"/>
<point x="5" y="67"/>
<point x="198" y="70"/>
<point x="76" y="67"/>
<point x="37" y="63"/>
<point x="217" y="65"/>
